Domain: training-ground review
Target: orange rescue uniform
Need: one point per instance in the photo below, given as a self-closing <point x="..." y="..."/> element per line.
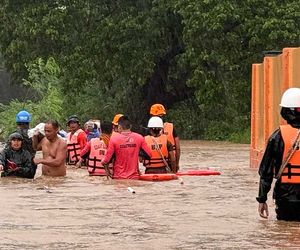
<point x="74" y="146"/>
<point x="156" y="159"/>
<point x="291" y="173"/>
<point x="168" y="130"/>
<point x="97" y="153"/>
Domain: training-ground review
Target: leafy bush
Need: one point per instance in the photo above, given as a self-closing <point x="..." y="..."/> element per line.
<point x="43" y="80"/>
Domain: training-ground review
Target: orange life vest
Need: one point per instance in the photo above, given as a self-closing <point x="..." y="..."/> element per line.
<point x="291" y="173"/>
<point x="156" y="159"/>
<point x="97" y="153"/>
<point x="73" y="147"/>
<point x="168" y="130"/>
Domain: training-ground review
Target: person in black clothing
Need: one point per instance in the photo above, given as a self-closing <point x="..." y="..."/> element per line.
<point x="280" y="145"/>
<point x="16" y="161"/>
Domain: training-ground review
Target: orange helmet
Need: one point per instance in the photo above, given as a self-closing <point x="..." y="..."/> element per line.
<point x="116" y="119"/>
<point x="157" y="109"/>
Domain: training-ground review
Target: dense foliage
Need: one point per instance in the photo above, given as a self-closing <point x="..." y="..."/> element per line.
<point x="122" y="56"/>
<point x="43" y="80"/>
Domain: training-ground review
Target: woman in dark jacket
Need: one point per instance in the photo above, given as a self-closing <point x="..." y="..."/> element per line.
<point x="16" y="161"/>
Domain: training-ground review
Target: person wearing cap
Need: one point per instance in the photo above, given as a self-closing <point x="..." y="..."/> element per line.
<point x="160" y="111"/>
<point x="54" y="150"/>
<point x="76" y="140"/>
<point x="124" y="148"/>
<point x="15" y="160"/>
<point x="163" y="158"/>
<point x="281" y="160"/>
<point x="23" y="119"/>
<point x="115" y="123"/>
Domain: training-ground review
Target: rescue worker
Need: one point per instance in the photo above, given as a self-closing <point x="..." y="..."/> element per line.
<point x="279" y="149"/>
<point x="115" y="123"/>
<point x="76" y="140"/>
<point x="95" y="151"/>
<point x="159" y="110"/>
<point x="23" y="119"/>
<point x="125" y="147"/>
<point x="163" y="158"/>
<point x="15" y="160"/>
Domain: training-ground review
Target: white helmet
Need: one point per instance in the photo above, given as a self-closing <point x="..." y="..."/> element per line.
<point x="155" y="122"/>
<point x="291" y="98"/>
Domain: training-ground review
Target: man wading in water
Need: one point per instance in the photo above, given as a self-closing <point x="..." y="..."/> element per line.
<point x="282" y="159"/>
<point x="125" y="146"/>
<point x="54" y="150"/>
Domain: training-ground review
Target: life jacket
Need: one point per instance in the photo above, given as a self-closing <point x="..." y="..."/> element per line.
<point x="291" y="173"/>
<point x="156" y="159"/>
<point x="73" y="147"/>
<point x="168" y="130"/>
<point x="97" y="153"/>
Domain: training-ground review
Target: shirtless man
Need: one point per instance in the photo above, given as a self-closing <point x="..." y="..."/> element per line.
<point x="54" y="151"/>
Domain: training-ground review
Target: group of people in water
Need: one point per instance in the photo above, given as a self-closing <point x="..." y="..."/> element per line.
<point x="112" y="149"/>
<point x="115" y="151"/>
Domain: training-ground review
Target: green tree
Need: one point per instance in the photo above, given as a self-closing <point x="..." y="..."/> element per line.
<point x="122" y="56"/>
<point x="44" y="80"/>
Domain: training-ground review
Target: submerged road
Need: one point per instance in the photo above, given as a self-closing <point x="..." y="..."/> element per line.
<point x="205" y="212"/>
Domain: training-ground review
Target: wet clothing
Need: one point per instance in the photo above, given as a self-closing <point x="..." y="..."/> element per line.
<point x="22" y="158"/>
<point x="170" y="132"/>
<point x="94" y="151"/>
<point x="286" y="195"/>
<point x="27" y="142"/>
<point x="125" y="146"/>
<point x="291" y="173"/>
<point x="159" y="170"/>
<point x="75" y="143"/>
<point x="156" y="164"/>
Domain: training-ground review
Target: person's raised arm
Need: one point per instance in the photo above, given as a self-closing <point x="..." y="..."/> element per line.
<point x="36" y="144"/>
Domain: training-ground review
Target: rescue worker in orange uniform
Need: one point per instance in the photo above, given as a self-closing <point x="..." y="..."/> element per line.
<point x="76" y="140"/>
<point x="159" y="110"/>
<point x="95" y="150"/>
<point x="115" y="123"/>
<point x="287" y="187"/>
<point x="162" y="152"/>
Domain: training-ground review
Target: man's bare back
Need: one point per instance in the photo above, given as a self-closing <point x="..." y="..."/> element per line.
<point x="54" y="151"/>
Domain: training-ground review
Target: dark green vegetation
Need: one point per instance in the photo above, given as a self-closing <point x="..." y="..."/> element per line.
<point x="111" y="57"/>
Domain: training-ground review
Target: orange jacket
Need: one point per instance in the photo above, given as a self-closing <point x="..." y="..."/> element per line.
<point x="97" y="153"/>
<point x="168" y="130"/>
<point x="156" y="159"/>
<point x="73" y="146"/>
<point x="291" y="173"/>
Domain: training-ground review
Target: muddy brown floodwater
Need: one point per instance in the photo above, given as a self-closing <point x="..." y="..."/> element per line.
<point x="206" y="212"/>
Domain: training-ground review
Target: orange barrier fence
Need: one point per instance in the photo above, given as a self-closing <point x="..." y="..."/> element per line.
<point x="269" y="80"/>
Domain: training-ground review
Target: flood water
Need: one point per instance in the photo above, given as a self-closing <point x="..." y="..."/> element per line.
<point x="206" y="212"/>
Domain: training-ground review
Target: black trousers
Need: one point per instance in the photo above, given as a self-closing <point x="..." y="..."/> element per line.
<point x="288" y="210"/>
